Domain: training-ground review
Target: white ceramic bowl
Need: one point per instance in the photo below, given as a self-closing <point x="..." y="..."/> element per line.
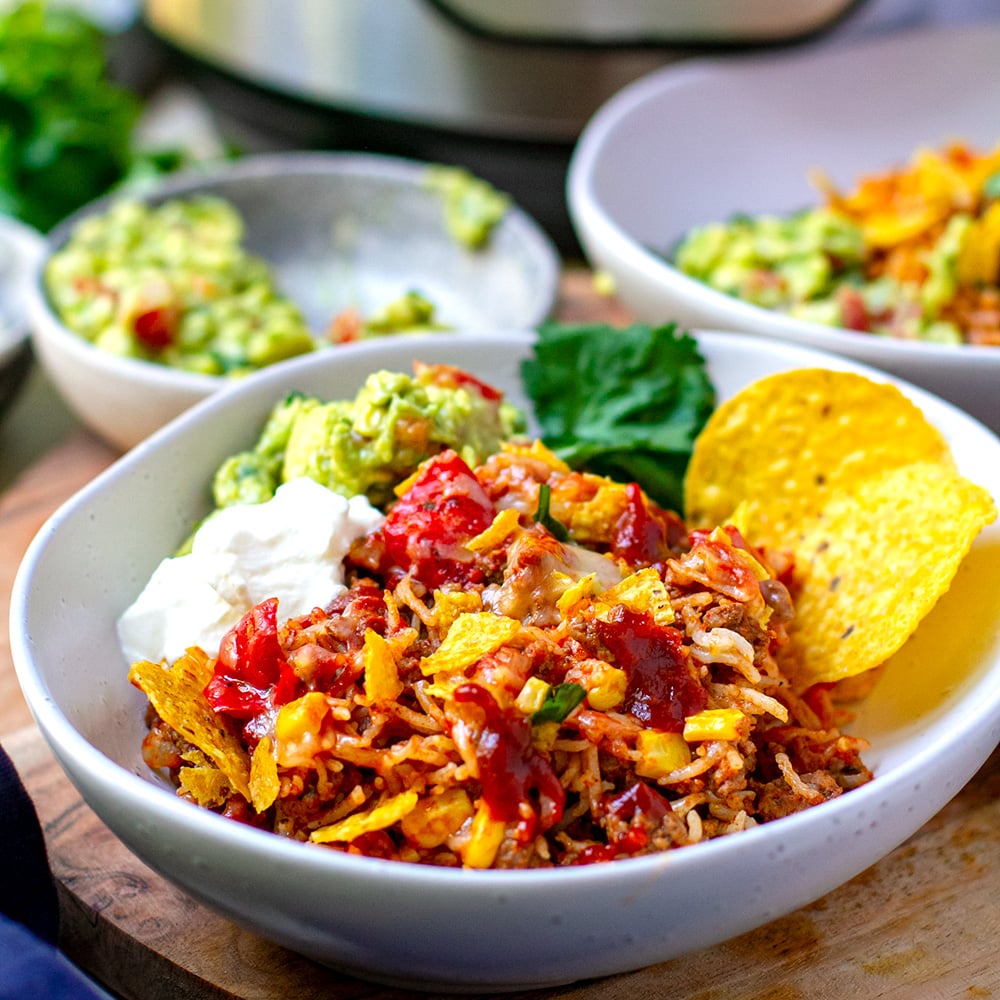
<point x="21" y="247"/>
<point x="339" y="230"/>
<point x="933" y="719"/>
<point x="699" y="141"/>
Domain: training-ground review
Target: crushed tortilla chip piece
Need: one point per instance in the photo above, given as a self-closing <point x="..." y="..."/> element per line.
<point x="390" y="811"/>
<point x="504" y="525"/>
<point x="786" y="443"/>
<point x="589" y="506"/>
<point x="206" y="784"/>
<point x="469" y="639"/>
<point x="177" y="694"/>
<point x="264" y="781"/>
<point x="643" y="590"/>
<point x="382" y="681"/>
<point x="536" y="449"/>
<point x="449" y="604"/>
<point x="577" y="593"/>
<point x="874" y="562"/>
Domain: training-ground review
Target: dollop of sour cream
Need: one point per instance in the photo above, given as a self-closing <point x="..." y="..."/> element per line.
<point x="290" y="547"/>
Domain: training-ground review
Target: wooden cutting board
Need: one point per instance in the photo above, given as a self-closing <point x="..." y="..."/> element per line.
<point x="923" y="924"/>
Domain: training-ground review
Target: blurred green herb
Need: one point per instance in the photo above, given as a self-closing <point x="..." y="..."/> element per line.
<point x="626" y="403"/>
<point x="65" y="128"/>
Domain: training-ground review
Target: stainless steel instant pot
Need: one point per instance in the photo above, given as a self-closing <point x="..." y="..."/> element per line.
<point x="502" y="87"/>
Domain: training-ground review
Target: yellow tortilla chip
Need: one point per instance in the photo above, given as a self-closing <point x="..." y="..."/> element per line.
<point x="589" y="506"/>
<point x="504" y="524"/>
<point x="382" y="681"/>
<point x="641" y="591"/>
<point x="206" y="784"/>
<point x="390" y="811"/>
<point x="469" y="639"/>
<point x="874" y="563"/>
<point x="177" y="694"/>
<point x="787" y="443"/>
<point x="264" y="781"/>
<point x="449" y="604"/>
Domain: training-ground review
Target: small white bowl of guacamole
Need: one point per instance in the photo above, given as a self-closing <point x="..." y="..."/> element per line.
<point x="150" y="299"/>
<point x="729" y="149"/>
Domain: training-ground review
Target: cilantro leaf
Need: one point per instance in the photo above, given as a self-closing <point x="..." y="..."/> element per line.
<point x="545" y="518"/>
<point x="560" y="700"/>
<point x="626" y="403"/>
<point x="66" y="128"/>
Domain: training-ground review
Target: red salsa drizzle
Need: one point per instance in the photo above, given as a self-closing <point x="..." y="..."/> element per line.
<point x="645" y="534"/>
<point x="661" y="691"/>
<point x="511" y="771"/>
<point x="641" y="808"/>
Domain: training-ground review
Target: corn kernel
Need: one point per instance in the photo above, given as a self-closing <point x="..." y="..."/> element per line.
<point x="532" y="696"/>
<point x="661" y="753"/>
<point x="608" y="690"/>
<point x="301" y="717"/>
<point x="715" y="724"/>
<point x="544" y="735"/>
<point x="485" y="839"/>
<point x="436" y="817"/>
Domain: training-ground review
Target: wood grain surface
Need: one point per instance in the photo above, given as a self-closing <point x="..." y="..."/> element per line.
<point x="923" y="924"/>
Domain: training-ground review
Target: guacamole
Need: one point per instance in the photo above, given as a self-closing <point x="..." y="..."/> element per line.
<point x="911" y="252"/>
<point x="173" y="284"/>
<point x="412" y="312"/>
<point x="472" y="207"/>
<point x="369" y="444"/>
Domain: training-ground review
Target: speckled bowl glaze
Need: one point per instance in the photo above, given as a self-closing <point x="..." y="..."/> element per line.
<point x="932" y="719"/>
<point x="702" y="140"/>
<point x="339" y="230"/>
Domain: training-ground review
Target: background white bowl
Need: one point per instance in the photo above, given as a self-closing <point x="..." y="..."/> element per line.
<point x="695" y="143"/>
<point x="339" y="230"/>
<point x="933" y="719"/>
<point x="21" y="247"/>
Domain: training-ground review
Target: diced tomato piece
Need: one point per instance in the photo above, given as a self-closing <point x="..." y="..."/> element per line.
<point x="450" y="377"/>
<point x="157" y="328"/>
<point x="426" y="529"/>
<point x="251" y="674"/>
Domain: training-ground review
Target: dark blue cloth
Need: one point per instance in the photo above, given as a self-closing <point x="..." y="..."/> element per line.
<point x="27" y="891"/>
<point x="30" y="964"/>
<point x="32" y="969"/>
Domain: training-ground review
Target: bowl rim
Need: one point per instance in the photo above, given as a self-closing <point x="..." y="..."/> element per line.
<point x="45" y="324"/>
<point x="162" y="805"/>
<point x="591" y="218"/>
<point x="22" y="247"/>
